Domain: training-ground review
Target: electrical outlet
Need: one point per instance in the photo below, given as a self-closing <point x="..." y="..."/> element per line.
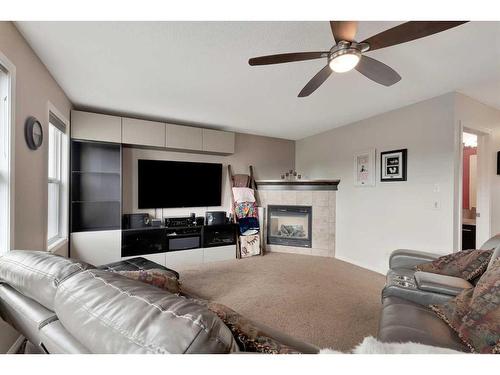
<point x="436" y="205"/>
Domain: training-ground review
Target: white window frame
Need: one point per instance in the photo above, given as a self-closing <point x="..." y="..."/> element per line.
<point x="61" y="179"/>
<point x="8" y="146"/>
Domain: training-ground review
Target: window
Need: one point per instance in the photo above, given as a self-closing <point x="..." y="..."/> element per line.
<point x="56" y="221"/>
<point x="4" y="161"/>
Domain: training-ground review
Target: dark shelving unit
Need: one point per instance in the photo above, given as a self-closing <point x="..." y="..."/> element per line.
<point x="95" y="186"/>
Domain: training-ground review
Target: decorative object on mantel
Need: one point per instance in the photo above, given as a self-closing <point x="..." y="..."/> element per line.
<point x="297" y="185"/>
<point x="291" y="175"/>
<point x="393" y="165"/>
<point x="33" y="133"/>
<point x="364" y="168"/>
<point x="244" y="206"/>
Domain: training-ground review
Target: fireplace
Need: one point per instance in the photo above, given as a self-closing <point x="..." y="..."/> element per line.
<point x="289" y="225"/>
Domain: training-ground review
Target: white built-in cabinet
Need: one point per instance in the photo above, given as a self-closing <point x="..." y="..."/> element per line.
<point x="143" y="133"/>
<point x="218" y="141"/>
<point x="96" y="247"/>
<point x="193" y="257"/>
<point x="136" y="132"/>
<point x="184" y="137"/>
<point x="184" y="258"/>
<point x="96" y="127"/>
<point x="104" y="246"/>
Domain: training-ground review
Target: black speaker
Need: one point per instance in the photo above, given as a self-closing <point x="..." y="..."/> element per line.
<point x="133" y="221"/>
<point x="200" y="220"/>
<point x="215" y="217"/>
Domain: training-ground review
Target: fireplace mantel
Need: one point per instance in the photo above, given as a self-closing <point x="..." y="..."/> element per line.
<point x="297" y="185"/>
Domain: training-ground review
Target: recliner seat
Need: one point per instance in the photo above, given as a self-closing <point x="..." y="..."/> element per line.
<point x="422" y="287"/>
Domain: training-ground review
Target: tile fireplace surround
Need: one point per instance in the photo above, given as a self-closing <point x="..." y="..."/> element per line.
<point x="323" y="213"/>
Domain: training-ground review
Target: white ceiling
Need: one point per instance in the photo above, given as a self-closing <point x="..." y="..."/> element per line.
<point x="197" y="72"/>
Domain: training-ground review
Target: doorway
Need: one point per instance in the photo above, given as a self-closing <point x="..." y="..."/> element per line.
<point x="469" y="190"/>
<point x="475" y="196"/>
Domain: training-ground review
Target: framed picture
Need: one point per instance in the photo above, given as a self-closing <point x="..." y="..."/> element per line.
<point x="393" y="165"/>
<point x="364" y="168"/>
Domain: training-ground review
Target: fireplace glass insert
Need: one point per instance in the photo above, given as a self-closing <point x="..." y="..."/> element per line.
<point x="289" y="225"/>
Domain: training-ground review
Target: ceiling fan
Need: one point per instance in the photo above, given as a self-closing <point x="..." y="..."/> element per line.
<point x="348" y="54"/>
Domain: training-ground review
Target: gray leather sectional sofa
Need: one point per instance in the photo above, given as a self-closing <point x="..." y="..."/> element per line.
<point x="405" y="315"/>
<point x="65" y="306"/>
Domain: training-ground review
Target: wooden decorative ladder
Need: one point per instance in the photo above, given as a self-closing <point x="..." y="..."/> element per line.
<point x="243" y="180"/>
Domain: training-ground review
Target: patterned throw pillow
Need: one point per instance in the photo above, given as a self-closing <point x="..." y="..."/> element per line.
<point x="466" y="264"/>
<point x="247" y="335"/>
<point x="475" y="313"/>
<point x="156" y="277"/>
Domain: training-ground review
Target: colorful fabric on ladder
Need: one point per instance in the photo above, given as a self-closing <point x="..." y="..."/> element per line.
<point x="245" y="209"/>
<point x="250" y="245"/>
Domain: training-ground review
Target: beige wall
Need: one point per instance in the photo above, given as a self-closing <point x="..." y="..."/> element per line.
<point x="35" y="87"/>
<point x="373" y="221"/>
<point x="269" y="156"/>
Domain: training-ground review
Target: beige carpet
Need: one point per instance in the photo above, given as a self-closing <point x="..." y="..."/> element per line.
<point x="323" y="301"/>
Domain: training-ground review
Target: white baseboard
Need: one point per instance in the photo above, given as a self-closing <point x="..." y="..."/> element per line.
<point x="17" y="344"/>
<point x="362" y="265"/>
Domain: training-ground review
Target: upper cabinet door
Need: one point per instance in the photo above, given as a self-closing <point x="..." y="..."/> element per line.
<point x="96" y="127"/>
<point x="184" y="137"/>
<point x="144" y="133"/>
<point x="218" y="141"/>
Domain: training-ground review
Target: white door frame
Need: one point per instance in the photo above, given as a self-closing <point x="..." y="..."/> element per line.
<point x="483" y="229"/>
<point x="11" y="71"/>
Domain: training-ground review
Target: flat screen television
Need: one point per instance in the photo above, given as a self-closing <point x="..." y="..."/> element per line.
<point x="169" y="184"/>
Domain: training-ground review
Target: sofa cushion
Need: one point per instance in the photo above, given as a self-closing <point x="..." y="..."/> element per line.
<point x="109" y="313"/>
<point x="405" y="321"/>
<point x="466" y="264"/>
<point x="475" y="313"/>
<point x="36" y="274"/>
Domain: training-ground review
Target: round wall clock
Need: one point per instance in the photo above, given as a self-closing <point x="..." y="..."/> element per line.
<point x="33" y="133"/>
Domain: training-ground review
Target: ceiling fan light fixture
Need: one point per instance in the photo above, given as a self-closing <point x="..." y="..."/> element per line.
<point x="344" y="60"/>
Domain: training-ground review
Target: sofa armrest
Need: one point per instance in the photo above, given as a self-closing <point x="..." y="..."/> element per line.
<point x="403" y="258"/>
<point x="432" y="282"/>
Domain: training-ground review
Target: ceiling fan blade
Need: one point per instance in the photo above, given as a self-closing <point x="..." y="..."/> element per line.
<point x="286" y="57"/>
<point x="377" y="71"/>
<point x="316" y="81"/>
<point x="409" y="31"/>
<point x="344" y="30"/>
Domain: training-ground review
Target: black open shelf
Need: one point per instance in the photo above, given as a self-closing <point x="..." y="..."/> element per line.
<point x="95" y="186"/>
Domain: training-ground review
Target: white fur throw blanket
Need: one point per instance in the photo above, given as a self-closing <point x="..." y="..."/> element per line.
<point x="371" y="345"/>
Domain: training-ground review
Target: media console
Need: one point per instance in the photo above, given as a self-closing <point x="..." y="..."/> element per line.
<point x="153" y="240"/>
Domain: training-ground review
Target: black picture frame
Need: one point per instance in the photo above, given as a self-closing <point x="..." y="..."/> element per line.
<point x="393" y="167"/>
